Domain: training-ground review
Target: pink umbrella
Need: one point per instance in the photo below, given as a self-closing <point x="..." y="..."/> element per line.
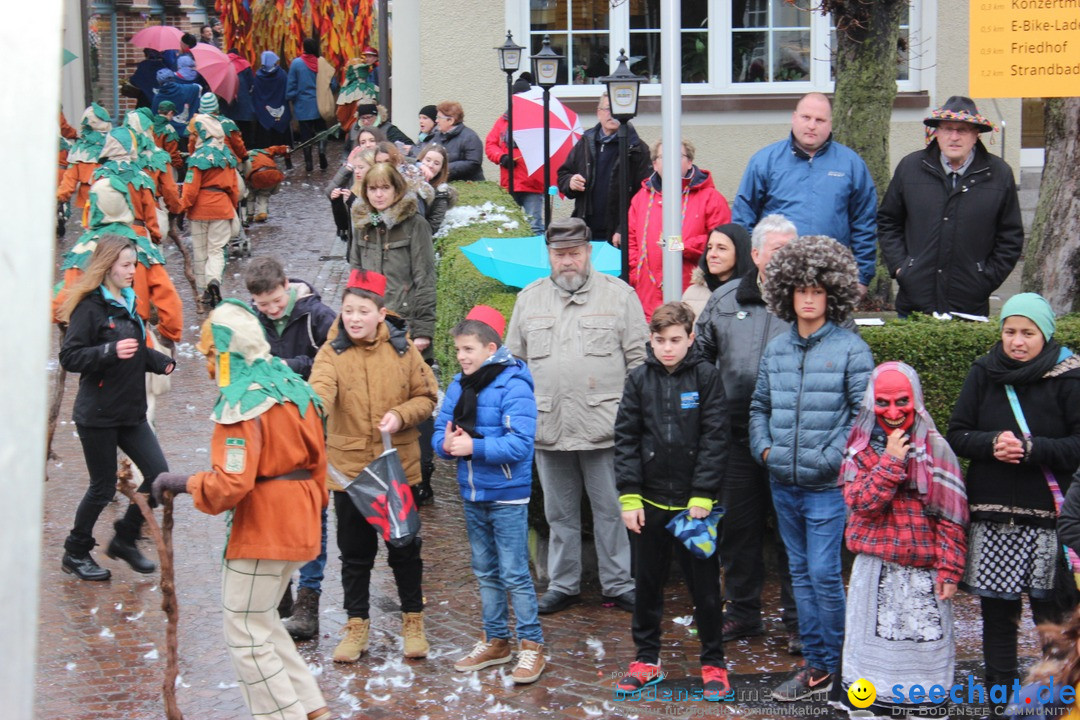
<point x="158" y="37"/>
<point x="217" y="70"/>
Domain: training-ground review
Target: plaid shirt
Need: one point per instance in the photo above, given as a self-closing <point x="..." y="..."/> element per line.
<point x="888" y="520"/>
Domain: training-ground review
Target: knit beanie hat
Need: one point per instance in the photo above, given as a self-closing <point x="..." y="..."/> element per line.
<point x="166" y="106"/>
<point x="429" y="111"/>
<point x="1035" y="308"/>
<point x="208" y="104"/>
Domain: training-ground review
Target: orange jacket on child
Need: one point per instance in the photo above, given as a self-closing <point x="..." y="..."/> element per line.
<point x="210" y="194"/>
<point x="275" y="518"/>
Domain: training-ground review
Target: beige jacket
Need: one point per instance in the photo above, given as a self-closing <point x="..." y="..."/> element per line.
<point x="579" y="347"/>
<point x="359" y="382"/>
<point x="697" y="294"/>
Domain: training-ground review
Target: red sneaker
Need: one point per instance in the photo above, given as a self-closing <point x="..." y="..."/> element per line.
<point x="641" y="675"/>
<point x="716" y="682"/>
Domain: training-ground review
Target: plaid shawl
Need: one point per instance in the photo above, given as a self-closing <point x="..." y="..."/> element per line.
<point x="932" y="467"/>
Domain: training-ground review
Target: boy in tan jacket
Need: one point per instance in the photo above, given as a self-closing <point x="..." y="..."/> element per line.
<point x="372" y="379"/>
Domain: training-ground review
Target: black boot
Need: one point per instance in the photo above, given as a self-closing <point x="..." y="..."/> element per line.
<point x="288" y="162"/>
<point x="83" y="567"/>
<point x="212" y="296"/>
<point x="322" y="161"/>
<point x="123" y="547"/>
<point x="285" y="605"/>
<point x="304" y="624"/>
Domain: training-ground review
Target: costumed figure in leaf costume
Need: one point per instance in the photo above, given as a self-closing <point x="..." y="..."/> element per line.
<point x="155" y="162"/>
<point x="82" y="158"/>
<point x="210" y="196"/>
<point x="121" y="202"/>
<point x="263" y="178"/>
<point x="359" y="87"/>
<point x="269" y="475"/>
<point x="165" y="135"/>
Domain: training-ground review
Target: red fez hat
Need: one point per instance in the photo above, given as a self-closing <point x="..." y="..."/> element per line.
<point x="490" y="317"/>
<point x="368" y="280"/>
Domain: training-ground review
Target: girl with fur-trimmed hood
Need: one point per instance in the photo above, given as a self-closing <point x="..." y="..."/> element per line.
<point x="392" y="238"/>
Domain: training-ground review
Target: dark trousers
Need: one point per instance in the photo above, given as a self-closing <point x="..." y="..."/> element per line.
<point x="358" y="542"/>
<point x="308" y="130"/>
<point x="99" y="449"/>
<point x="747" y="502"/>
<point x="1001" y="623"/>
<point x="342" y="216"/>
<point x="427" y="454"/>
<point x="654" y="547"/>
<point x="265" y="137"/>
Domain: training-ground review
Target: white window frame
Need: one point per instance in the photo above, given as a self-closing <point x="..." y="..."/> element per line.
<point x="920" y="75"/>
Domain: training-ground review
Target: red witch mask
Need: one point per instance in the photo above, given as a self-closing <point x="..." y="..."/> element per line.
<point x="893" y="403"/>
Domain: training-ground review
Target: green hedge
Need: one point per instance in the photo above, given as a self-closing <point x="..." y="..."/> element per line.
<point x="459" y="284"/>
<point x="942" y="352"/>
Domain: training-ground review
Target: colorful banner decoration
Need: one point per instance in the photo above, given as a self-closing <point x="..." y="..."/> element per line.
<point x="343" y="27"/>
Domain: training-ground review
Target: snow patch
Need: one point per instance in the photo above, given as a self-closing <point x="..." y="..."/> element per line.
<point x="466" y="215"/>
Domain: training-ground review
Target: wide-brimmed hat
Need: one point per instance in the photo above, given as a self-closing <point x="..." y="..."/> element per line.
<point x="959" y="109"/>
<point x="567" y="233"/>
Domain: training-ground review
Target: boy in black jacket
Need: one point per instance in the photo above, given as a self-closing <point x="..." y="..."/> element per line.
<point x="295" y="322"/>
<point x="294" y="318"/>
<point x="671" y="437"/>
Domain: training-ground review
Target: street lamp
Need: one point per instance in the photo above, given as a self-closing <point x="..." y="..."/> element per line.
<point x="622" y="91"/>
<point x="509" y="62"/>
<point x="545" y="67"/>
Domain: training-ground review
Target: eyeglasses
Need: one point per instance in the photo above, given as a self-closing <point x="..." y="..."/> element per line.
<point x="443" y="117"/>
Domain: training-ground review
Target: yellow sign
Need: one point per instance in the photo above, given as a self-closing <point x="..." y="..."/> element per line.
<point x="1024" y="48"/>
<point x="862" y="693"/>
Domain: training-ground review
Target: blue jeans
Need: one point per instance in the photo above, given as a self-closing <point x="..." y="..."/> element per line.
<point x="812" y="526"/>
<point x="311" y="574"/>
<point x="533" y="205"/>
<point x="499" y="538"/>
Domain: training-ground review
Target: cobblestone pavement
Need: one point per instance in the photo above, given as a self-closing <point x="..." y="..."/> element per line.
<point x="101" y="644"/>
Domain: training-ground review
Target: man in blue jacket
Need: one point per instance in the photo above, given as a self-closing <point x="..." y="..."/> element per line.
<point x="815" y="182"/>
<point x="302" y="93"/>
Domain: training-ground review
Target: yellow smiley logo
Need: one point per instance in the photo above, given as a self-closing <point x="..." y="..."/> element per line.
<point x="862" y="693"/>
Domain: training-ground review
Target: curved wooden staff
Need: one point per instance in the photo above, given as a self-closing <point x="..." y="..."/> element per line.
<point x="54" y="404"/>
<point x="162" y="535"/>
<point x="188" y="272"/>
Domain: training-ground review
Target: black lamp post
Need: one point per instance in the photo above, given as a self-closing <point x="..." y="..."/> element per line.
<point x="622" y="90"/>
<point x="509" y="62"/>
<point x="545" y="67"/>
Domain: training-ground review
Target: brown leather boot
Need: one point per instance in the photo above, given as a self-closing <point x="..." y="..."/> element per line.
<point x="530" y="664"/>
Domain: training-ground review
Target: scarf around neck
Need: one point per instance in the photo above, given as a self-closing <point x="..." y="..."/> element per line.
<point x="932" y="467"/>
<point x="1003" y="370"/>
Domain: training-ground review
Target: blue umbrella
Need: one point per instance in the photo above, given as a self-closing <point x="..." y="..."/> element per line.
<point x="517" y="261"/>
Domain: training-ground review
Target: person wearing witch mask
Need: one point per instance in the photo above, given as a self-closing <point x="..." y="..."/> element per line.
<point x="1018" y="420"/>
<point x="907" y="526"/>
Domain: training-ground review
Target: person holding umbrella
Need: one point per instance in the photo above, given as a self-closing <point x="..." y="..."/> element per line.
<point x="272" y="113"/>
<point x="183" y="96"/>
<point x="275" y="492"/>
<point x="528" y="190"/>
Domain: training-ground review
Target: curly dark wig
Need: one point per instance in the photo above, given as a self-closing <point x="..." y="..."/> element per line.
<point x="812" y="261"/>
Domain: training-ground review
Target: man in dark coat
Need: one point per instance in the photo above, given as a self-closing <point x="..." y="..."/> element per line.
<point x="949" y="225"/>
<point x="272" y="113"/>
<point x="590" y="174"/>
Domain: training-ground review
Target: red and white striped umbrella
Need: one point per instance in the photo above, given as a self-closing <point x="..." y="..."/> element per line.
<point x="529" y="131"/>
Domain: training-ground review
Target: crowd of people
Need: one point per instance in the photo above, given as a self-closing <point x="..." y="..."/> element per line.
<point x="689" y="424"/>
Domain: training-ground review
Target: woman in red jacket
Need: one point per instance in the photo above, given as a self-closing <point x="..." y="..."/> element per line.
<point x="703" y="208"/>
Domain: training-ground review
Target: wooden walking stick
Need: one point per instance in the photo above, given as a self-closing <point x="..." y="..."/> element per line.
<point x="54" y="404"/>
<point x="162" y="535"/>
<point x="188" y="272"/>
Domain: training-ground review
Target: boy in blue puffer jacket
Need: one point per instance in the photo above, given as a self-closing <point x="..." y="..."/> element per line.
<point x="488" y="422"/>
<point x="809" y="386"/>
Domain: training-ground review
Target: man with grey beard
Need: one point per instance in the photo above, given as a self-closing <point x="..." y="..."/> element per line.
<point x="581" y="332"/>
